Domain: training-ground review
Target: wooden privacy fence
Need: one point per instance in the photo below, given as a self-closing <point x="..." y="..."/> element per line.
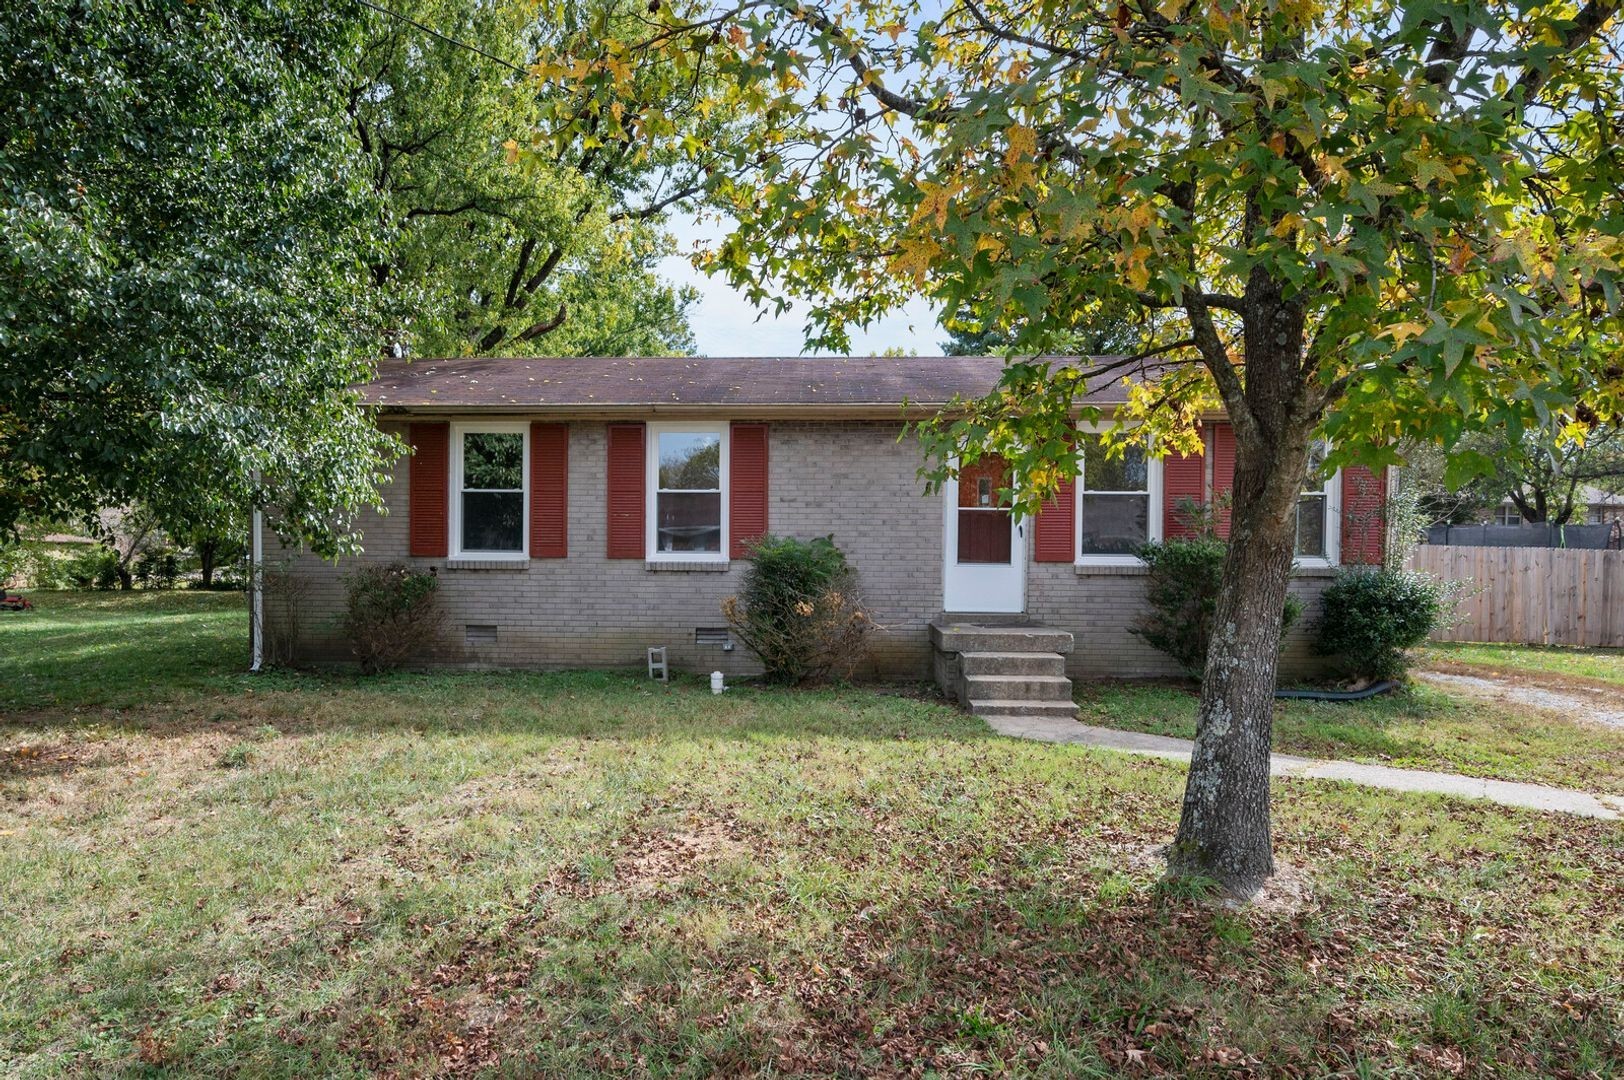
<point x="1531" y="596"/>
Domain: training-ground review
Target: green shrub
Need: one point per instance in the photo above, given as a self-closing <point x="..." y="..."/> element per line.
<point x="1371" y="615"/>
<point x="92" y="568"/>
<point x="1182" y="592"/>
<point x="30" y="562"/>
<point x="391" y="612"/>
<point x="19" y="561"/>
<point x="157" y="569"/>
<point x="799" y="611"/>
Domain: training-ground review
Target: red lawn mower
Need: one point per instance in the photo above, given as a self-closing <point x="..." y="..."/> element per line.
<point x="10" y="601"/>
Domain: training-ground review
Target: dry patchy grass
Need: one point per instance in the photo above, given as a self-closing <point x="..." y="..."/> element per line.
<point x="586" y="875"/>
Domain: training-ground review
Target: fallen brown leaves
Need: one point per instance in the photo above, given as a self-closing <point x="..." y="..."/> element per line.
<point x="37" y="759"/>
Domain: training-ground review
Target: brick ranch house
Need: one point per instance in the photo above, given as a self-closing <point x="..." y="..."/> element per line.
<point x="579" y="511"/>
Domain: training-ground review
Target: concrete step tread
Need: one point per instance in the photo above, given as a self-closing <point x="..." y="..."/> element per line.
<point x="1017" y="678"/>
<point x="997" y="654"/>
<point x="1021" y="707"/>
<point x="962" y="638"/>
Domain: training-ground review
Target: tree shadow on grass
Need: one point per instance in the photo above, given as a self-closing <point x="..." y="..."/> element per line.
<point x="94" y="663"/>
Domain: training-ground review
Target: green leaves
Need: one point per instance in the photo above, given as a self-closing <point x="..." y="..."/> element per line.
<point x="180" y="227"/>
<point x="502" y="238"/>
<point x="1454" y="255"/>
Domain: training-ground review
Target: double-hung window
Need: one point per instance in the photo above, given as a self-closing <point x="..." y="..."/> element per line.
<point x="1118" y="501"/>
<point x="490" y="467"/>
<point x="688" y="482"/>
<point x="1316" y="511"/>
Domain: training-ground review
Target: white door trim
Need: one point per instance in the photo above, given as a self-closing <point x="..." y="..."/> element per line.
<point x="984" y="588"/>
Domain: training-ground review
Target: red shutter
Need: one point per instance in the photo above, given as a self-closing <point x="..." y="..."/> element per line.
<point x="1184" y="477"/>
<point x="625" y="495"/>
<point x="747" y="487"/>
<point x="549" y="490"/>
<point x="1054" y="527"/>
<point x="1364" y="514"/>
<point x="428" y="488"/>
<point x="1223" y="470"/>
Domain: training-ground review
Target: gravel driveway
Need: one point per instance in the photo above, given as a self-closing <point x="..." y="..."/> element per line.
<point x="1577" y="703"/>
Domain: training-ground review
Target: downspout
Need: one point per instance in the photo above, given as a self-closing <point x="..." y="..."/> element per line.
<point x="256" y="585"/>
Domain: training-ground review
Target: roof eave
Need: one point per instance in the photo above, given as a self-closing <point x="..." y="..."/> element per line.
<point x="623" y="410"/>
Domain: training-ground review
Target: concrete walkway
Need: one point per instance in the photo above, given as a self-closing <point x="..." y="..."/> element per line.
<point x="1526" y="796"/>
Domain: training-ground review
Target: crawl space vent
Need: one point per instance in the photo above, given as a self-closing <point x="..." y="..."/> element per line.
<point x="712" y="635"/>
<point x="480" y="635"/>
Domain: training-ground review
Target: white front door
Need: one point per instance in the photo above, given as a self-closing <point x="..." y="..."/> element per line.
<point x="984" y="546"/>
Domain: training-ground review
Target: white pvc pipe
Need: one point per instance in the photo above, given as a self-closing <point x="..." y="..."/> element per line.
<point x="256" y="587"/>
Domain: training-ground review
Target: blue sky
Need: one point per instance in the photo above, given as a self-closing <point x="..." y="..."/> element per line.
<point x="726" y="324"/>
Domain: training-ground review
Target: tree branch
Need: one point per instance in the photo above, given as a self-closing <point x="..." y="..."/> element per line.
<point x="1586" y="25"/>
<point x="866" y="76"/>
<point x="542" y="273"/>
<point x="547" y="327"/>
<point x="1212" y="300"/>
<point x="644" y="212"/>
<point x="517" y="277"/>
<point x="435" y="211"/>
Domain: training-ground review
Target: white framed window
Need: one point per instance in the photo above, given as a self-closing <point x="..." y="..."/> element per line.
<point x="687" y="491"/>
<point x="1319" y="511"/>
<point x="490" y="490"/>
<point x="1119" y="500"/>
<point x="1507" y="514"/>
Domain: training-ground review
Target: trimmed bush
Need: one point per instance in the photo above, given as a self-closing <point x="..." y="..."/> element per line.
<point x="1182" y="591"/>
<point x="391" y="612"/>
<point x="799" y="611"/>
<point x="1371" y="615"/>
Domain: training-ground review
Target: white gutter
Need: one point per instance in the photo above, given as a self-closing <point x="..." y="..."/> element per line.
<point x="256" y="587"/>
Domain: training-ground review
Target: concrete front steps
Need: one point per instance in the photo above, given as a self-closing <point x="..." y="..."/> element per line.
<point x="1003" y="670"/>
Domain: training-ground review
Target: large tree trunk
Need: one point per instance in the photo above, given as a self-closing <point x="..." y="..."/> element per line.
<point x="1224" y="826"/>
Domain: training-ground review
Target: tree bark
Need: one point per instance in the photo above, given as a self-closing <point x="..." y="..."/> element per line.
<point x="205" y="556"/>
<point x="1224" y="831"/>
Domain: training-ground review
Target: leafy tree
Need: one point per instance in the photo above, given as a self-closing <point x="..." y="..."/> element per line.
<point x="494" y="252"/>
<point x="216" y="530"/>
<point x="1423" y="497"/>
<point x="182" y="312"/>
<point x="972" y="336"/>
<point x="1544" y="471"/>
<point x="130" y="534"/>
<point x="1359" y="221"/>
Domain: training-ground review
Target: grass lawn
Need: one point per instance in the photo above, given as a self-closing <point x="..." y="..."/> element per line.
<point x="1423" y="727"/>
<point x="1596" y="665"/>
<point x="586" y="874"/>
<point x="110" y="649"/>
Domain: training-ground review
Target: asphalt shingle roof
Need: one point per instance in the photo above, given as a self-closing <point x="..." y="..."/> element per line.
<point x="655" y="381"/>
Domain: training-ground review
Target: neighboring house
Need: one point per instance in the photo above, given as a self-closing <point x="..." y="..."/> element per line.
<point x="579" y="511"/>
<point x="1593" y="507"/>
<point x="68" y="540"/>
